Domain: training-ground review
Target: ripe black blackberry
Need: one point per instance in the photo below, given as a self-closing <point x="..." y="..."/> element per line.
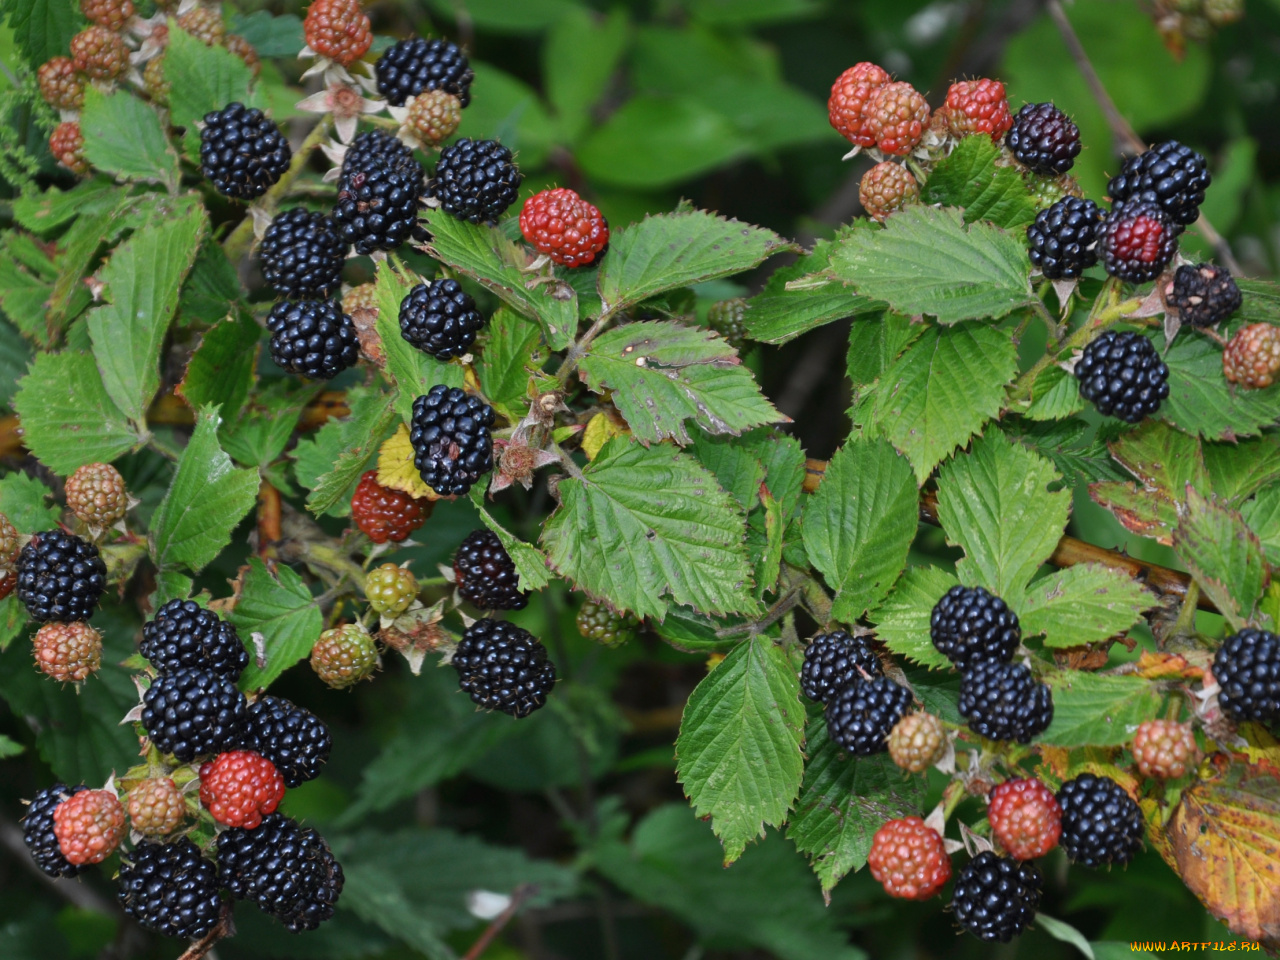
<point x="504" y="667"/>
<point x="1044" y="139"/>
<point x="1203" y="294"/>
<point x="1063" y="241"/>
<point x="476" y="180"/>
<point x="184" y="634"/>
<point x="379" y="189"/>
<point x="302" y="254"/>
<point x="440" y="318"/>
<point x="1137" y="242"/>
<point x="411" y="67"/>
<point x="170" y="888"/>
<point x="486" y="575"/>
<point x="60" y="577"/>
<point x="1002" y="701"/>
<point x="452" y="447"/>
<point x="833" y="661"/>
<point x="1101" y="824"/>
<point x="192" y="713"/>
<point x="286" y="869"/>
<point x="312" y="338"/>
<point x="861" y="716"/>
<point x="242" y="152"/>
<point x="294" y="739"/>
<point x="37" y="831"/>
<point x="995" y="898"/>
<point x="1247" y="668"/>
<point x="970" y="624"/>
<point x="1169" y="174"/>
<point x="1121" y="374"/>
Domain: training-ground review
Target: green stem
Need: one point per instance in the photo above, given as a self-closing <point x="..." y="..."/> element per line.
<point x="1185" y="625"/>
<point x="331" y="560"/>
<point x="951" y="798"/>
<point x="578" y="350"/>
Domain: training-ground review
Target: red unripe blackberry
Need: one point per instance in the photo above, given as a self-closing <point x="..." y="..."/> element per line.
<point x="504" y="667"/>
<point x="96" y="494"/>
<point x="205" y="24"/>
<point x="61" y="84"/>
<point x="384" y="514"/>
<point x="100" y="53"/>
<point x="909" y="860"/>
<point x="61" y="577"/>
<point x="89" y="826"/>
<point x="969" y="624"/>
<point x="1164" y="749"/>
<point x="8" y="580"/>
<point x="476" y="180"/>
<point x="1044" y="139"/>
<point x="242" y="152"/>
<point x="184" y="634"/>
<point x="156" y="807"/>
<point x="452" y="446"/>
<point x="66" y="143"/>
<point x="294" y="739"/>
<point x="69" y="652"/>
<point x="239" y="787"/>
<point x="886" y="188"/>
<point x="243" y="49"/>
<point x="860" y="715"/>
<point x="433" y="117"/>
<point x="1122" y="375"/>
<point x="344" y="656"/>
<point x="851" y="96"/>
<point x="917" y="742"/>
<point x="1025" y="818"/>
<point x="1171" y="175"/>
<point x="568" y="229"/>
<point x="286" y="869"/>
<point x="1002" y="701"/>
<point x="486" y="575"/>
<point x="1101" y="823"/>
<point x="995" y="898"/>
<point x="170" y="888"/>
<point x="978" y="106"/>
<point x="899" y="116"/>
<point x="338" y="29"/>
<point x="1063" y="240"/>
<point x="38" y="831"/>
<point x="834" y="660"/>
<point x="1137" y="242"/>
<point x="1247" y="668"/>
<point x="112" y="14"/>
<point x="1252" y="357"/>
<point x="415" y="66"/>
<point x="390" y="589"/>
<point x="1203" y="294"/>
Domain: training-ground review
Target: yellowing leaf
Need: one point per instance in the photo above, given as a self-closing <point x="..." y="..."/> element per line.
<point x="396" y="469"/>
<point x="600" y="430"/>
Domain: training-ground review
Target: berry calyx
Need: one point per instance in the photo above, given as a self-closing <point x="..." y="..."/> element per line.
<point x="1247" y="668"/>
<point x="66" y="143"/>
<point x="909" y="859"/>
<point x="1137" y="242"/>
<point x="969" y="624"/>
<point x="1251" y="358"/>
<point x="239" y="787"/>
<point x="978" y="107"/>
<point x="61" y="84"/>
<point x="1164" y="749"/>
<point x="899" y="116"/>
<point x="1063" y="240"/>
<point x="344" y="656"/>
<point x="452" y="446"/>
<point x="390" y="589"/>
<point x="833" y="661"/>
<point x="1025" y="818"/>
<point x="1122" y="375"/>
<point x="568" y="229"/>
<point x="89" y="826"/>
<point x="1044" y="139"/>
<point x="597" y="622"/>
<point x="995" y="898"/>
<point x="156" y="807"/>
<point x="886" y="188"/>
<point x="917" y="742"/>
<point x="382" y="513"/>
<point x="860" y="715"/>
<point x="338" y="29"/>
<point x="850" y="100"/>
<point x="1101" y="823"/>
<point x="504" y="667"/>
<point x="100" y="53"/>
<point x="96" y="494"/>
<point x="486" y="575"/>
<point x="1203" y="294"/>
<point x="69" y="652"/>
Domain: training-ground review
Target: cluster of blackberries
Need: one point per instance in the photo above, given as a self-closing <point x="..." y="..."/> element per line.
<point x="862" y="704"/>
<point x="504" y="667"/>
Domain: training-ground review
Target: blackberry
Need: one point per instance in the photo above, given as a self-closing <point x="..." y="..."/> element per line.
<point x="411" y="67"/>
<point x="1203" y="294"/>
<point x="861" y="715"/>
<point x="379" y="188"/>
<point x="191" y="713"/>
<point x="1121" y="374"/>
<point x="440" y="318"/>
<point x="1044" y="139"/>
<point x="242" y="152"/>
<point x="728" y="318"/>
<point x="1169" y="174"/>
<point x="294" y="739"/>
<point x="486" y="575"/>
<point x="476" y="180"/>
<point x="170" y="888"/>
<point x="286" y="869"/>
<point x="995" y="898"/>
<point x="1002" y="701"/>
<point x="60" y="577"/>
<point x="1063" y="241"/>
<point x="452" y="447"/>
<point x="302" y="254"/>
<point x="183" y="634"/>
<point x="1101" y="824"/>
<point x="1137" y="242"/>
<point x="37" y="831"/>
<point x="1247" y="668"/>
<point x="969" y="624"/>
<point x="833" y="661"/>
<point x="375" y="148"/>
<point x="504" y="667"/>
<point x="313" y="338"/>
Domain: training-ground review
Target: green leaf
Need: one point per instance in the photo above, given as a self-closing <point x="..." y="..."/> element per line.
<point x="778" y="315"/>
<point x="205" y="502"/>
<point x="969" y="178"/>
<point x="123" y="136"/>
<point x="663" y="374"/>
<point x="220" y="372"/>
<point x="647" y="528"/>
<point x="267" y="422"/>
<point x="329" y="464"/>
<point x="1141" y="510"/>
<point x="410" y="369"/>
<point x="9" y="748"/>
<point x="1060" y="930"/>
<point x="282" y="609"/>
<point x="994" y="503"/>
<point x="1055" y="395"/>
<point x="1083" y="604"/>
<point x="68" y="419"/>
<point x="1201" y="402"/>
<point x="1161" y="458"/>
<point x="927" y="261"/>
<point x="26" y="285"/>
<point x="674" y="250"/>
<point x="769" y="553"/>
<point x="902" y="621"/>
<point x="736" y="462"/>
<point x="142" y="279"/>
<point x="874" y="343"/>
<point x="691" y="632"/>
<point x="509" y="356"/>
<point x="171" y="585"/>
<point x="212" y="289"/>
<point x="531" y="563"/>
<point x="580" y="55"/>
<point x="24" y="500"/>
<point x="1262" y="514"/>
<point x="202" y="78"/>
<point x="1092" y="709"/>
<point x="1223" y="555"/>
<point x="14" y="357"/>
<point x="280" y="36"/>
<point x="860" y="523"/>
<point x="42" y="29"/>
<point x="942" y="390"/>
<point x="1237" y="470"/>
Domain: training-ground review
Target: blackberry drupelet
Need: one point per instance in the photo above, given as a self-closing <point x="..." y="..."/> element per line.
<point x="191" y="713"/>
<point x="861" y="716"/>
<point x="170" y="888"/>
<point x="1137" y="242"/>
<point x="1063" y="241"/>
<point x="411" y="67"/>
<point x="504" y="667"/>
<point x="286" y="869"/>
<point x="1101" y="824"/>
<point x="452" y="447"/>
<point x="969" y="624"/>
<point x="440" y="318"/>
<point x="302" y="254"/>
<point x="1203" y="294"/>
<point x="1121" y="374"/>
<point x="242" y="152"/>
<point x="1044" y="139"/>
<point x="486" y="575"/>
<point x="37" y="831"/>
<point x="294" y="739"/>
<point x="60" y="577"/>
<point x="833" y="661"/>
<point x="995" y="898"/>
<point x="184" y="634"/>
<point x="1169" y="174"/>
<point x="1002" y="701"/>
<point x="1247" y="668"/>
<point x="476" y="180"/>
<point x="379" y="189"/>
<point x="312" y="338"/>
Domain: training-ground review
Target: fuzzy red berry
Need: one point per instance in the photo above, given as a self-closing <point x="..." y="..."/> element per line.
<point x="899" y="115"/>
<point x="886" y="188"/>
<point x="61" y="84"/>
<point x="66" y="143"/>
<point x="89" y="826"/>
<point x="1164" y="749"/>
<point x="338" y="29"/>
<point x="1025" y="818"/>
<point x="7" y="582"/>
<point x="205" y="24"/>
<point x="917" y="742"/>
<point x="568" y="229"/>
<point x="978" y="106"/>
<point x="100" y="53"/>
<point x="156" y="807"/>
<point x="1252" y="357"/>
<point x="96" y="494"/>
<point x="851" y="96"/>
<point x="239" y="787"/>
<point x="390" y="589"/>
<point x="433" y="117"/>
<point x="344" y="656"/>
<point x="112" y="14"/>
<point x="909" y="859"/>
<point x="384" y="514"/>
<point x="243" y="49"/>
<point x="69" y="652"/>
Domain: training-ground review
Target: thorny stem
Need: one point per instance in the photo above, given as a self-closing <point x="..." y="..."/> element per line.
<point x="577" y="350"/>
<point x="202" y="947"/>
<point x="775" y="613"/>
<point x="951" y="798"/>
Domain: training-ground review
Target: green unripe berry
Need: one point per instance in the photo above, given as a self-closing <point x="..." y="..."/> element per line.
<point x="344" y="655"/>
<point x="390" y="589"/>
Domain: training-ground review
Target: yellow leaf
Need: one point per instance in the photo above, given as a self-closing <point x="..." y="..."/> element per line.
<point x="396" y="469"/>
<point x="600" y="430"/>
